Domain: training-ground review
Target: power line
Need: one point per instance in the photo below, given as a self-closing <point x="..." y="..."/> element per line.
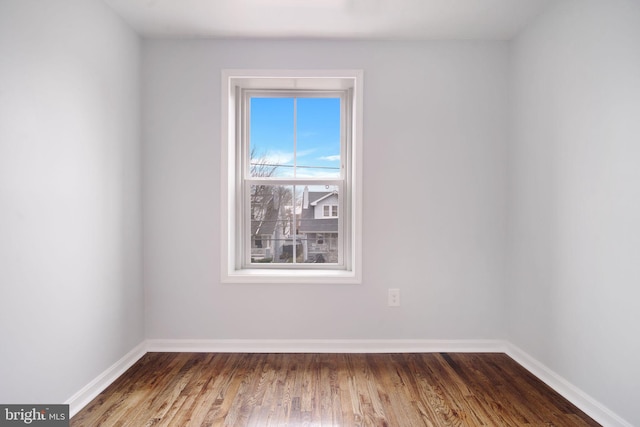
<point x="275" y="165"/>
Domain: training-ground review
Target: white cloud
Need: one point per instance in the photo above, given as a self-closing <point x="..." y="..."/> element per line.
<point x="278" y="158"/>
<point x="284" y="162"/>
<point x="318" y="173"/>
<point x="285" y="157"/>
<point x="302" y="153"/>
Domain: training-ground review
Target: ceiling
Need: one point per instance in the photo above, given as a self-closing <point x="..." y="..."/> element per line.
<point x="330" y="19"/>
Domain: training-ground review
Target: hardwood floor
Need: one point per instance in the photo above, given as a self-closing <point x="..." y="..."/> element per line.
<point x="431" y="389"/>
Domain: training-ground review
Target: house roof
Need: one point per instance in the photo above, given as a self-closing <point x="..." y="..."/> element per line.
<point x="312" y="225"/>
<point x="321" y="196"/>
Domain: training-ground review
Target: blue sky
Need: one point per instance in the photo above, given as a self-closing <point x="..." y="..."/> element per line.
<point x="318" y="134"/>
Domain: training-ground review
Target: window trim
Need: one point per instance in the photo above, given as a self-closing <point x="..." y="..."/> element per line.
<point x="232" y="80"/>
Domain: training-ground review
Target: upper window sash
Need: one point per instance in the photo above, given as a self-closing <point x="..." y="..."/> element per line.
<point x="244" y="163"/>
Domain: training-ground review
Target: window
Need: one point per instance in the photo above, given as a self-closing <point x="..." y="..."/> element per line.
<point x="330" y="211"/>
<point x="291" y="172"/>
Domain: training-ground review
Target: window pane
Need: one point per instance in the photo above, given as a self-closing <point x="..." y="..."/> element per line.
<point x="288" y="225"/>
<point x="295" y="137"/>
<point x="318" y="137"/>
<point x="271" y="136"/>
<point x="319" y="232"/>
<point x="274" y="216"/>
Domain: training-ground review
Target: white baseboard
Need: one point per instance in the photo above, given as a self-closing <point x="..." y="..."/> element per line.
<point x="102" y="381"/>
<point x="326" y="346"/>
<point x="573" y="394"/>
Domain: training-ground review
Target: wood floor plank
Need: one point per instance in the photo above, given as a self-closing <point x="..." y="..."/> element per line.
<point x="386" y="390"/>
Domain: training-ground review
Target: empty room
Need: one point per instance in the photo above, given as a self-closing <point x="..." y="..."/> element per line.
<point x="320" y="212"/>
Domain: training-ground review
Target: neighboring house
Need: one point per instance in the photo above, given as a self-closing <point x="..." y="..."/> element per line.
<point x="318" y="226"/>
<point x="317" y="230"/>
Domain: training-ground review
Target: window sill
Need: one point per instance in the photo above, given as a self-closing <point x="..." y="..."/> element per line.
<point x="268" y="276"/>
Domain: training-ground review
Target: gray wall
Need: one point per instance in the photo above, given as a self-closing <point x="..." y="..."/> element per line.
<point x="435" y="129"/>
<point x="573" y="289"/>
<point x="71" y="297"/>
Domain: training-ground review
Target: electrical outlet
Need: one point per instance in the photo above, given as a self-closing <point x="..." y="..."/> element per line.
<point x="394" y="298"/>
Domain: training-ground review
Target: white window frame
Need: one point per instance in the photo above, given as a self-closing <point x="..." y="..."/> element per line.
<point x="234" y="268"/>
<point x="341" y="182"/>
